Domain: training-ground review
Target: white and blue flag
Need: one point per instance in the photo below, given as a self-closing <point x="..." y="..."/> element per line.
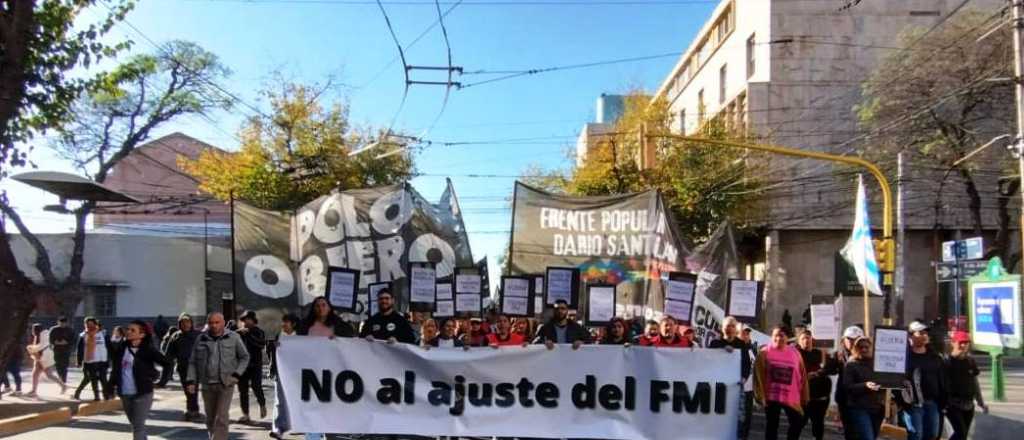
<point x="859" y="251"/>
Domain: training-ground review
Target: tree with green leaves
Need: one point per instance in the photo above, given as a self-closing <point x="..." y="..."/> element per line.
<point x="41" y="43"/>
<point x="296" y="153"/>
<point x="938" y="102"/>
<point x="702" y="184"/>
<point x="107" y="124"/>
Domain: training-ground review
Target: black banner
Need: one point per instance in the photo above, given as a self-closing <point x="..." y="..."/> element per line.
<point x="376" y="231"/>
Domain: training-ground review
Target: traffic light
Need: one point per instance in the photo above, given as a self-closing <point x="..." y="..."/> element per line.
<point x="885" y="254"/>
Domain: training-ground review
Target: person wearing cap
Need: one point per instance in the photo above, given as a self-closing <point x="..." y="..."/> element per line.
<point x="561" y="330"/>
<point x="179" y="349"/>
<point x="864" y="398"/>
<point x="927" y="384"/>
<point x="477" y="334"/>
<point x="387" y="324"/>
<point x="780" y="385"/>
<point x="255" y="343"/>
<point x="730" y="341"/>
<point x="840" y="357"/>
<point x="964" y="390"/>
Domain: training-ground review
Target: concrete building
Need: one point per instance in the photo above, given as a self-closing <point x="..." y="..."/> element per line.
<point x="169" y="255"/>
<point x="151" y="174"/>
<point x="790" y="73"/>
<point x="609" y="110"/>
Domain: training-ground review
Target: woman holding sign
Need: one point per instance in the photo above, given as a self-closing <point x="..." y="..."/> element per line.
<point x="780" y="384"/>
<point x="865" y="400"/>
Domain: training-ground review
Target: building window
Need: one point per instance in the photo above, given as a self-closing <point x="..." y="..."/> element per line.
<point x="751" y="45"/>
<point x="722" y="75"/>
<point x="741" y="112"/>
<point x="700" y="106"/>
<point x="104" y="301"/>
<point x="682" y="121"/>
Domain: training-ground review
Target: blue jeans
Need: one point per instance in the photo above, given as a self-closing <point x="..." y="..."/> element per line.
<point x="867" y="424"/>
<point x="925" y="420"/>
<point x="281" y="422"/>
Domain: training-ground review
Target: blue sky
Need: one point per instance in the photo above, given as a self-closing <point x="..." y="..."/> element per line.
<point x="310" y="40"/>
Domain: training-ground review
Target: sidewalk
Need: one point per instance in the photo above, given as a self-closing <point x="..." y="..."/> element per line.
<point x="1005" y="419"/>
<point x="49" y="396"/>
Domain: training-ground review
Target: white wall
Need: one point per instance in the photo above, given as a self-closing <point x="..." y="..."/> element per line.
<point x="752" y="17"/>
<point x="160" y="275"/>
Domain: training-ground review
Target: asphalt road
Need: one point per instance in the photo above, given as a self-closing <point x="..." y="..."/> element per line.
<point x="1005" y="421"/>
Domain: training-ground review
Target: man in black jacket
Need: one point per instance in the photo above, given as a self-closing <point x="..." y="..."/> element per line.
<point x="561" y="330"/>
<point x="927" y="377"/>
<point x="179" y="350"/>
<point x="387" y="324"/>
<point x="255" y="342"/>
<point x="62" y="338"/>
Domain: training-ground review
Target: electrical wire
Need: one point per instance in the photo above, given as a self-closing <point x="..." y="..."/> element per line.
<point x="510" y="74"/>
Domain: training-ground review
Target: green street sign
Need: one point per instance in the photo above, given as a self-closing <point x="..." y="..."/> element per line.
<point x="995" y="310"/>
<point x="995" y="318"/>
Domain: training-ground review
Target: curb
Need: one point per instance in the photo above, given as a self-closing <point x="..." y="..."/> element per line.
<point x="30" y="422"/>
<point x="103" y="406"/>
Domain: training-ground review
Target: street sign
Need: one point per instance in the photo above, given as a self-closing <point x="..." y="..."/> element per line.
<point x="994" y="301"/>
<point x="970" y="268"/>
<point x="945" y="272"/>
<point x="969" y="249"/>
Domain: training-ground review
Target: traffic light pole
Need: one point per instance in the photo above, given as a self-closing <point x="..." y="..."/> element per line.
<point x="887" y="263"/>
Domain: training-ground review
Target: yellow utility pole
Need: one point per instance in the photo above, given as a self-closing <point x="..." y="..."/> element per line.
<point x="886" y="256"/>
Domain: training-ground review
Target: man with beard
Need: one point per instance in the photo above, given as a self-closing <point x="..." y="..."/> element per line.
<point x="387" y="324"/>
<point x="561" y="330"/>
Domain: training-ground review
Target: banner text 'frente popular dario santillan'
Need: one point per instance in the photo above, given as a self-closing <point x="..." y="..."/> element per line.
<point x="355" y="386"/>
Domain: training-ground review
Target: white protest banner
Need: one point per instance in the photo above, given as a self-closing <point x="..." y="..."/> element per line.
<point x="467" y="303"/>
<point x="823" y="321"/>
<point x="444" y="292"/>
<point x="560" y="285"/>
<point x="348" y="385"/>
<point x="743" y="300"/>
<point x="467" y="283"/>
<point x="707" y="322"/>
<point x="341" y="289"/>
<point x="445" y="309"/>
<point x="890" y="350"/>
<point x="422" y="284"/>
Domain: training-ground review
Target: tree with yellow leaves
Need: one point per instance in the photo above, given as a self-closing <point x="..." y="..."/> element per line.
<point x="298" y="152"/>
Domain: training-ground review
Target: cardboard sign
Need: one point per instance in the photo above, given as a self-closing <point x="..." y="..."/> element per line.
<point x="341" y="289"/>
<point x="743" y="301"/>
<point x="600" y="304"/>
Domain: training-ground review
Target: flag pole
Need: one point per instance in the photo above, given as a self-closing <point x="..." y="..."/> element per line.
<point x="867" y="314"/>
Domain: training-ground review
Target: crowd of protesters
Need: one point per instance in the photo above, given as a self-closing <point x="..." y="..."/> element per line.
<point x="789" y="375"/>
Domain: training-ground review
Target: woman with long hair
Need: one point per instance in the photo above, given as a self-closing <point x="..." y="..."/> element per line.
<point x="321" y="320"/>
<point x="616" y="333"/>
<point x="133" y="372"/>
<point x="780" y="385"/>
<point x="42" y="360"/>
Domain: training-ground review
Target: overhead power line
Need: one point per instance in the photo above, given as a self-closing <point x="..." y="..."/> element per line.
<point x="480" y="2"/>
<point x="510" y="74"/>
